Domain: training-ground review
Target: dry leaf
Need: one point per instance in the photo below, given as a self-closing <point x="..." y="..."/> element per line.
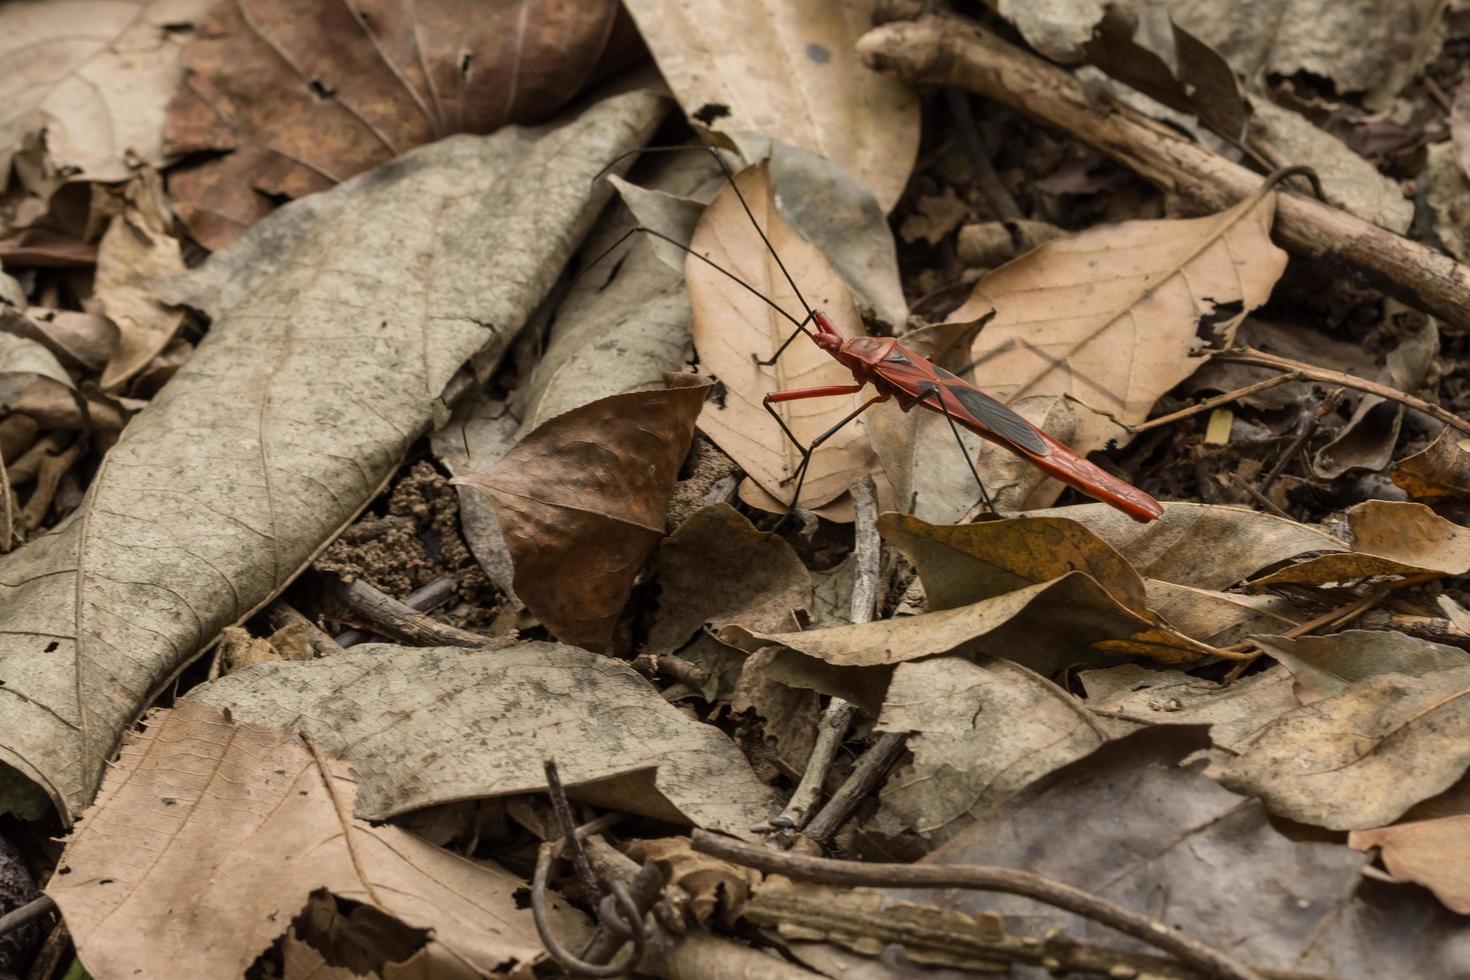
<point x="1137" y="695"/>
<point x="1119" y="314"/>
<point x="477" y="435"/>
<point x="23" y="363"/>
<point x="1326" y="666"/>
<point x="1219" y="618"/>
<point x="94" y="76"/>
<point x="291" y="99"/>
<point x="966" y="563"/>
<point x="1360" y="758"/>
<point x="296" y="408"/>
<point x="450" y="724"/>
<point x="1240" y="541"/>
<point x="732" y="327"/>
<point x="1447" y="192"/>
<point x="82" y="340"/>
<point x="717" y="569"/>
<point x="1439" y="471"/>
<point x="1389" y="538"/>
<point x="980" y="732"/>
<point x="788" y="71"/>
<point x="135" y="250"/>
<point x="717" y="890"/>
<point x="230" y="828"/>
<point x="583" y="501"/>
<point x="1433" y="853"/>
<point x="1130" y="824"/>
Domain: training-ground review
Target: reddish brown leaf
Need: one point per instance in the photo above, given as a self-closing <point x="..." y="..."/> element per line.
<point x="583" y="500"/>
<point x="302" y="94"/>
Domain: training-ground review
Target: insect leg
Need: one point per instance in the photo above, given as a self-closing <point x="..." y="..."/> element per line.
<point x="984" y="495"/>
<point x="806" y="451"/>
<point x="800" y="329"/>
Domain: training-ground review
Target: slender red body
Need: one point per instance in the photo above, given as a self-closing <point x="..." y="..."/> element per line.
<point x="897" y="372"/>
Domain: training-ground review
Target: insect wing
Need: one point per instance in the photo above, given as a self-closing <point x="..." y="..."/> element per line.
<point x="971" y="407"/>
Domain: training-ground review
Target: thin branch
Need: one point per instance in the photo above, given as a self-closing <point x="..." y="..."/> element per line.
<point x="1203" y="406"/>
<point x="404" y="623"/>
<point x="343" y="817"/>
<point x="27" y="913"/>
<point x="869" y="771"/>
<point x="1008" y="880"/>
<point x="426" y="598"/>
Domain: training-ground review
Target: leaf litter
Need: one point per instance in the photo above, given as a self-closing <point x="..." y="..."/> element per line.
<point x="1241" y="721"/>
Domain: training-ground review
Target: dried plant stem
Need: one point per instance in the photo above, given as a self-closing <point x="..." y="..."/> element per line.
<point x="1204" y="406"/>
<point x="422" y="599"/>
<point x="837" y="718"/>
<point x="402" y="622"/>
<point x="1007" y="880"/>
<point x="952" y="51"/>
<point x="865" y="777"/>
<point x="29" y="912"/>
<point x="986" y="178"/>
<point x="7" y="533"/>
<point x="49" y="472"/>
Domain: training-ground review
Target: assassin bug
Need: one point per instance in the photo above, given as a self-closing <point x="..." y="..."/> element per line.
<point x="898" y="373"/>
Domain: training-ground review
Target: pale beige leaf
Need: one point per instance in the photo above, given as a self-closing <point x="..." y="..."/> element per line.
<point x="422" y="727"/>
<point x="1361" y="758"/>
<point x="85" y="340"/>
<point x="1117" y="315"/>
<point x="980" y="732"/>
<point x="788" y="71"/>
<point x="95" y="76"/>
<point x="732" y="326"/>
<point x="22" y="362"/>
<point x="136" y="249"/>
<point x="1434" y="853"/>
<point x="294" y="410"/>
<point x="229" y="828"/>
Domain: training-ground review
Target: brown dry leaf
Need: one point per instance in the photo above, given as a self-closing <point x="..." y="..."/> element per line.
<point x="1134" y="695"/>
<point x="295" y="409"/>
<point x="1390" y="537"/>
<point x="94" y="76"/>
<point x="479" y="433"/>
<point x="1361" y="758"/>
<point x="717" y="890"/>
<point x="231" y="827"/>
<point x="80" y="340"/>
<point x="1205" y="546"/>
<point x="979" y="733"/>
<point x="716" y="568"/>
<point x="24" y="363"/>
<point x="428" y="726"/>
<point x="1326" y="666"/>
<point x="1045" y="627"/>
<point x="966" y="563"/>
<point x="1433" y="853"/>
<point x="1130" y="824"/>
<point x="293" y="98"/>
<point x="1220" y="618"/>
<point x="583" y="502"/>
<point x="788" y="71"/>
<point x="1439" y="471"/>
<point x="731" y="326"/>
<point x="1119" y="314"/>
<point x="135" y="250"/>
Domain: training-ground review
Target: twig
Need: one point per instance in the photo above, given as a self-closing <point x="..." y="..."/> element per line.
<point x="1008" y="880"/>
<point x="1258" y="496"/>
<point x="423" y="599"/>
<point x="626" y="907"/>
<point x="571" y="844"/>
<point x="866" y="774"/>
<point x="344" y="818"/>
<point x="1205" y="405"/>
<point x="48" y="478"/>
<point x="9" y="531"/>
<point x="1299" y="441"/>
<point x="837" y="718"/>
<point x="951" y="51"/>
<point x="29" y="912"/>
<point x="404" y="623"/>
<point x="995" y="192"/>
<point x="1249" y="355"/>
<point x="281" y="614"/>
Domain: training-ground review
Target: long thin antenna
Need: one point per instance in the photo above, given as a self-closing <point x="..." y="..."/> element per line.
<point x="720" y="161"/>
<point x="800" y="324"/>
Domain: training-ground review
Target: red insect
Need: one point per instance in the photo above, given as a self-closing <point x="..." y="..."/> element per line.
<point x="896" y="372"/>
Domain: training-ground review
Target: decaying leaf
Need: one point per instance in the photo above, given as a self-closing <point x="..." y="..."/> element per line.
<point x="1136" y="695"/>
<point x="135" y="250"/>
<point x="294" y="410"/>
<point x="1128" y="823"/>
<point x="1390" y="537"/>
<point x="1119" y="314"/>
<point x="94" y="76"/>
<point x="1241" y="541"/>
<point x="1361" y="758"/>
<point x="1219" y="618"/>
<point x="231" y="827"/>
<point x="717" y="890"/>
<point x="583" y="501"/>
<point x="716" y="568"/>
<point x="1439" y="471"/>
<point x="1433" y="853"/>
<point x="1326" y="666"/>
<point x="293" y="100"/>
<point x="789" y="72"/>
<point x="732" y="326"/>
<point x="979" y="733"/>
<point x="966" y="563"/>
<point x="422" y="727"/>
<point x="83" y="340"/>
<point x="25" y="362"/>
<point x="478" y="434"/>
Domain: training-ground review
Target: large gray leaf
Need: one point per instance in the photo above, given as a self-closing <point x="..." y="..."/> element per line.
<point x="422" y="727"/>
<point x="293" y="412"/>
